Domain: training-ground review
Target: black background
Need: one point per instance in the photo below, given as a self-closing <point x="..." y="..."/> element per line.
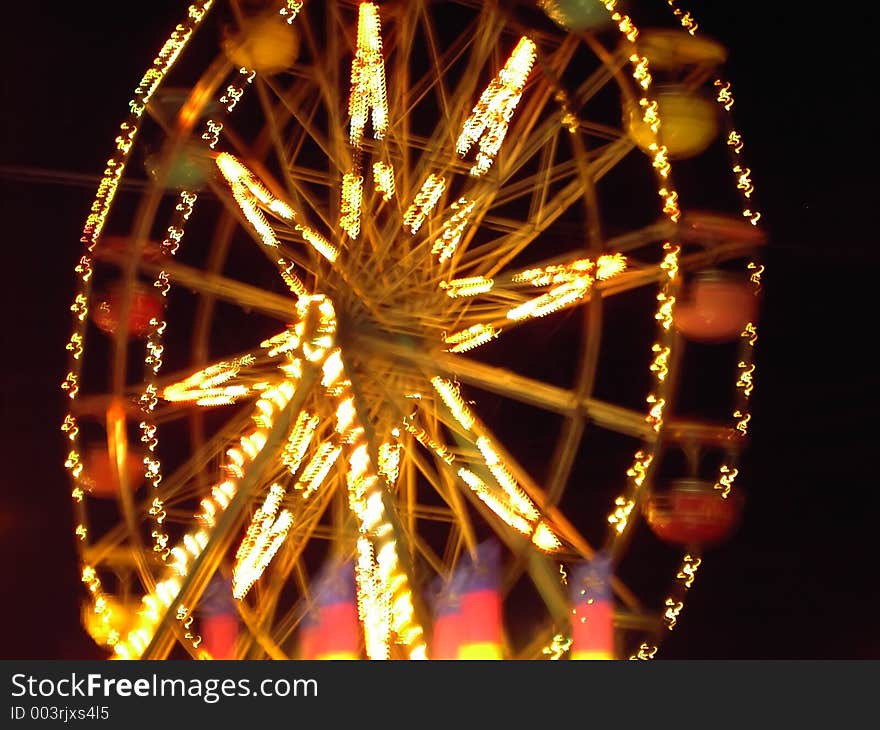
<point x="799" y="578"/>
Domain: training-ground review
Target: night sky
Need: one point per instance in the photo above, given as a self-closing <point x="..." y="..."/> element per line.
<point x="798" y="580"/>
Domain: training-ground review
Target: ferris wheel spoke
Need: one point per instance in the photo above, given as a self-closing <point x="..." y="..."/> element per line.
<point x="291" y="619"/>
<point x="258" y="634"/>
<point x="174" y="486"/>
<point x="330" y="146"/>
<point x="488" y="259"/>
<point x="535" y="137"/>
<point x="481" y="193"/>
<point x="523" y="145"/>
<point x="438" y="80"/>
<point x="514" y="243"/>
<point x="498" y="318"/>
<point x="220" y="540"/>
<point x="482" y="45"/>
<point x="301" y="201"/>
<point x="305" y="122"/>
<point x="539" y="565"/>
<point x="520" y="388"/>
<point x="413" y="93"/>
<point x="244" y="295"/>
<point x="305" y="529"/>
<point x="444" y="482"/>
<point x="335" y="147"/>
<point x="550" y="173"/>
<point x="289" y="561"/>
<point x="534" y="186"/>
<point x="560" y="524"/>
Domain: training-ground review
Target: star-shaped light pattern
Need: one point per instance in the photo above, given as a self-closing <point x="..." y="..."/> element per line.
<point x="348" y="336"/>
<point x="365" y="373"/>
<point x="385" y="600"/>
<point x="408" y="262"/>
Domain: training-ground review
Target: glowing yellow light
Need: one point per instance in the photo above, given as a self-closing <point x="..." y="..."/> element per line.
<point x="238" y="174"/>
<point x="664" y="311"/>
<point x="734" y="139"/>
<point x="519" y="501"/>
<point x="726" y="477"/>
<point x="70" y="427"/>
<point x="423" y="203"/>
<point x="373" y="611"/>
<point x="742" y="424"/>
<point x="283" y="342"/>
<point x="673" y="609"/>
<point x="557" y="298"/>
<point x="368" y="77"/>
<point x="74" y="464"/>
<point x="262" y="540"/>
<point x="299" y="440"/>
<point x="453" y="400"/>
<point x="389" y="461"/>
<point x="332" y="373"/>
<point x="646" y="652"/>
<point x="351" y="202"/>
<point x="745" y="381"/>
<point x="472" y="337"/>
<point x="292" y="280"/>
<point x="725" y="97"/>
<point x="344" y="415"/>
<point x="670" y="204"/>
<point x="317" y="469"/>
<point x="319" y="243"/>
<point x="467" y="287"/>
<point x="637" y="473"/>
<point x="688" y="571"/>
<point x="290" y="10"/>
<point x="577" y="271"/>
<point x="384" y="597"/>
<point x="425" y="440"/>
<point x="544" y="538"/>
<point x="610" y="265"/>
<point x="490" y="118"/>
<point x="655" y="415"/>
<point x="684" y="18"/>
<point x="660" y="365"/>
<point x="80" y="307"/>
<point x="383" y="178"/>
<point x="758" y="271"/>
<point x="650" y="113"/>
<point x="640" y="70"/>
<point x="75" y="345"/>
<point x="206" y="386"/>
<point x="491" y="500"/>
<point x="620" y="516"/>
<point x="744" y="180"/>
<point x="453" y="229"/>
<point x="254" y="215"/>
<point x="251" y="195"/>
<point x="557" y="647"/>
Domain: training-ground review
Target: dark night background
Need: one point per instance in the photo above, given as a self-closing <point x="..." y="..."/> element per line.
<point x="798" y="580"/>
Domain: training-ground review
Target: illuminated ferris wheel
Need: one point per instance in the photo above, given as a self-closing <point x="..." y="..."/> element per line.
<point x="400" y="351"/>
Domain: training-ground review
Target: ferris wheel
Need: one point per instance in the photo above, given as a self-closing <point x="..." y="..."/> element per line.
<point x="415" y="343"/>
